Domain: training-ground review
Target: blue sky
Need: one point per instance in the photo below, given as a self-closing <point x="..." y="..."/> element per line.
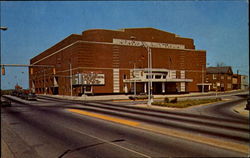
<point x="219" y="27"/>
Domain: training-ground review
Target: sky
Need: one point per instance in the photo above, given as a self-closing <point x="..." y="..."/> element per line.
<point x="219" y="27"/>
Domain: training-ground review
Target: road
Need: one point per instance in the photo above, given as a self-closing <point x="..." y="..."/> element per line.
<point x="55" y="128"/>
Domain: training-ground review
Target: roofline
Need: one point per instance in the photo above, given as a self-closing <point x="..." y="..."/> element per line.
<point x="102" y="30"/>
<point x="55" y="45"/>
<point x="178" y="36"/>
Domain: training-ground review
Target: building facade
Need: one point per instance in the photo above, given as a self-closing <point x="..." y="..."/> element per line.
<point x="244" y="82"/>
<point x="236" y="81"/>
<point x="116" y="61"/>
<point x="221" y="78"/>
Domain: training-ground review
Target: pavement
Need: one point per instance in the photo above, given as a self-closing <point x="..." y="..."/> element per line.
<point x="240" y="108"/>
<point x="7" y="153"/>
<point x="125" y="97"/>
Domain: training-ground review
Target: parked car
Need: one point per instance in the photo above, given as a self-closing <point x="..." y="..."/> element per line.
<point x="14" y="93"/>
<point x="5" y="102"/>
<point x="23" y="95"/>
<point x="19" y="94"/>
<point x="31" y="96"/>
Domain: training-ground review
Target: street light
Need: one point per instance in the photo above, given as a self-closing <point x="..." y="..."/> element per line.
<point x="134" y="63"/>
<point x="143" y="44"/>
<point x="71" y="85"/>
<point x="4" y="28"/>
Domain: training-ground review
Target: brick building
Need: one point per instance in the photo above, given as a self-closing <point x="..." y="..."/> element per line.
<point x="236" y="81"/>
<point x="116" y="61"/>
<point x="221" y="78"/>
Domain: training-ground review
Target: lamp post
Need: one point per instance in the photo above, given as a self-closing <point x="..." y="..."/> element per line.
<point x="44" y="91"/>
<point x="150" y="99"/>
<point x="143" y="44"/>
<point x="150" y="88"/>
<point x="134" y="64"/>
<point x="71" y="85"/>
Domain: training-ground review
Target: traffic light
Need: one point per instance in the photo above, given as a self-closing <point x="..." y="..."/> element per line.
<point x="3" y="70"/>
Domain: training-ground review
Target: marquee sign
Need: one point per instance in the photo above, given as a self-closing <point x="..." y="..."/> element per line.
<point x="150" y="44"/>
<point x="88" y="79"/>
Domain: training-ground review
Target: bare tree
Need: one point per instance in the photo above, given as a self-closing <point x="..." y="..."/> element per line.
<point x="220" y="64"/>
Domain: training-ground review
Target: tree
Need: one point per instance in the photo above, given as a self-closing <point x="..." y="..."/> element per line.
<point x="220" y="64"/>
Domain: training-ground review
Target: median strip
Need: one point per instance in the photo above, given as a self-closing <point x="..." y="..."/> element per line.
<point x="104" y="117"/>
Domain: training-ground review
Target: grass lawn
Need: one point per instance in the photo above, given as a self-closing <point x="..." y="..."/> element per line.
<point x="186" y="103"/>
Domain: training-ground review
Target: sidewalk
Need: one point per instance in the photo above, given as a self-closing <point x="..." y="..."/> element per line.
<point x="125" y="97"/>
<point x="241" y="109"/>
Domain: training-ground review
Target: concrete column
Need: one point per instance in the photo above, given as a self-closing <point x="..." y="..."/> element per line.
<point x="145" y="87"/>
<point x="163" y="87"/>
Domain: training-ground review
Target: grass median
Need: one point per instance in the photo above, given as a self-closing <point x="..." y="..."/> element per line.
<point x="185" y="103"/>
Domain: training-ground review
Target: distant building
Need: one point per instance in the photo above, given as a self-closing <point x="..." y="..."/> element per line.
<point x="115" y="61"/>
<point x="244" y="84"/>
<point x="221" y="78"/>
<point x="236" y="81"/>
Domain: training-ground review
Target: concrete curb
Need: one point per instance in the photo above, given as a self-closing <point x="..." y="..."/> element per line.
<point x="125" y="97"/>
<point x="240" y="109"/>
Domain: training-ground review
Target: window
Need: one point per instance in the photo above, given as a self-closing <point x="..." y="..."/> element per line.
<point x="149" y="76"/>
<point x="124" y="76"/>
<point x="222" y="84"/>
<point x="88" y="89"/>
<point x="214" y="85"/>
<point x="214" y="76"/>
<point x="222" y="77"/>
<point x="229" y="85"/>
<point x="157" y="76"/>
<point x="229" y="77"/>
<point x="164" y="76"/>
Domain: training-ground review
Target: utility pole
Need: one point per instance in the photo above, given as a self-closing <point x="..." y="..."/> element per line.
<point x="44" y="81"/>
<point x="134" y="81"/>
<point x="150" y="75"/>
<point x="71" y="87"/>
<point x="202" y="78"/>
<point x="143" y="44"/>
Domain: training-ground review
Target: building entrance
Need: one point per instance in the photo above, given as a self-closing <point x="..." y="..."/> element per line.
<point x="157" y="88"/>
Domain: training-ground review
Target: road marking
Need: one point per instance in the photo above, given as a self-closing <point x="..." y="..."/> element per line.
<point x="108" y="142"/>
<point x="196" y="138"/>
<point x="170" y="132"/>
<point x="104" y="117"/>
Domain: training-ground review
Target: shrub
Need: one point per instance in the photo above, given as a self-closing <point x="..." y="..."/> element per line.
<point x="166" y="100"/>
<point x="173" y="100"/>
<point x="184" y="103"/>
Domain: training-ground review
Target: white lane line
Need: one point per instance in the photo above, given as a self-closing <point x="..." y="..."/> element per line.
<point x="108" y="142"/>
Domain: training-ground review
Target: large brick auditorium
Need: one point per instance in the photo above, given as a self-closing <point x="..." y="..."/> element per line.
<point x="116" y="61"/>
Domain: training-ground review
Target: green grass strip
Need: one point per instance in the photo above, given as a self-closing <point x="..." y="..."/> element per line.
<point x="186" y="103"/>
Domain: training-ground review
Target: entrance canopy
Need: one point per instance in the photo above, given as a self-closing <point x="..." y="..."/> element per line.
<point x="158" y="75"/>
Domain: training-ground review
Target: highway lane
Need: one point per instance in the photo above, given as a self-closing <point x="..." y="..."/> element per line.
<point x="231" y="129"/>
<point x="53" y="132"/>
<point x="221" y="110"/>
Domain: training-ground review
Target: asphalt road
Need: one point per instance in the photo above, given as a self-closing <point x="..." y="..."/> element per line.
<point x="46" y="128"/>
